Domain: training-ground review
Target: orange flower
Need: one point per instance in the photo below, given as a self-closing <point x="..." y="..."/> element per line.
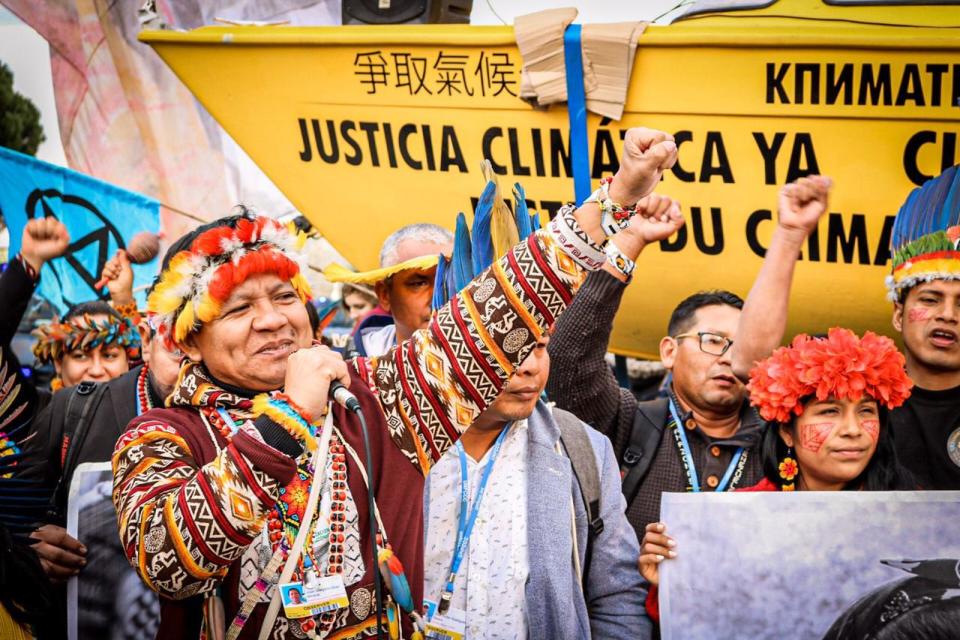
<point x="840" y="365"/>
<point x="788" y="469"/>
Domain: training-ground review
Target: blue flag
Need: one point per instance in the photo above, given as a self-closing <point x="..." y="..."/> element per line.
<point x="100" y="218"/>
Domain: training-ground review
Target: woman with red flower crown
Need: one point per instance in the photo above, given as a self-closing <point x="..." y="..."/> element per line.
<point x="827" y="401"/>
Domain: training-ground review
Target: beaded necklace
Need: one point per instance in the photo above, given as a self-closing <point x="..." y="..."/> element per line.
<point x="321" y="625"/>
<point x="144" y="403"/>
<point x="287" y="515"/>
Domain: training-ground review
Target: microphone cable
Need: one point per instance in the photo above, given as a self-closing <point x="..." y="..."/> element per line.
<point x="351" y="404"/>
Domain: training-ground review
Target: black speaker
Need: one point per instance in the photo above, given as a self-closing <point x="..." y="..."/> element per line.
<point x="407" y="11"/>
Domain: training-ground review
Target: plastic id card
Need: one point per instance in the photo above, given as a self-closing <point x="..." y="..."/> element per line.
<point x="314" y="596"/>
<point x="450" y="626"/>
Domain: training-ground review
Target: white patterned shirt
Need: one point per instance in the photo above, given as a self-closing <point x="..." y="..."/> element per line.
<point x="493" y="575"/>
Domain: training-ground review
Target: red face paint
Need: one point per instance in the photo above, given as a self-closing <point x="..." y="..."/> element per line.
<point x="918" y="314"/>
<point x="872" y="427"/>
<point x="812" y="436"/>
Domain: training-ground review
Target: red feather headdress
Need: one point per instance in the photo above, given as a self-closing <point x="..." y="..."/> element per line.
<point x="196" y="283"/>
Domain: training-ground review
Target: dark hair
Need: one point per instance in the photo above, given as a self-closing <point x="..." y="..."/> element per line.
<point x="94" y="307"/>
<point x="680" y="319"/>
<point x="314" y="318"/>
<point x="883" y="473"/>
<point x="933" y="621"/>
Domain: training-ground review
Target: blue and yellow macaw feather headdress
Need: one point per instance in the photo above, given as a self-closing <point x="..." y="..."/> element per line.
<point x="926" y="232"/>
<point x="495" y="230"/>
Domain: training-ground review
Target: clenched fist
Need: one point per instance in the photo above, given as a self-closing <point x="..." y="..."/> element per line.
<point x="647" y="153"/>
<point x="43" y="239"/>
<point x="803" y="203"/>
<point x="309" y="374"/>
<point x="658" y="217"/>
<point x="118" y="272"/>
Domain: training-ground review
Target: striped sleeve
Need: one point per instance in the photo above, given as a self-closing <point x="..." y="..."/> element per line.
<point x="433" y="386"/>
<point x="181" y="523"/>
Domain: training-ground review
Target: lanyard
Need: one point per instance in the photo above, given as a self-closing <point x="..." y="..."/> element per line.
<point x="466" y="522"/>
<point x="688" y="457"/>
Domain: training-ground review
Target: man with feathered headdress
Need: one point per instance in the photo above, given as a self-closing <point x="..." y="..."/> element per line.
<point x="924" y="286"/>
<point x="248" y="483"/>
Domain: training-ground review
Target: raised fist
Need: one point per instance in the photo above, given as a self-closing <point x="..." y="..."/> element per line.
<point x="803" y="203"/>
<point x="43" y="239"/>
<point x="658" y="217"/>
<point x="647" y="153"/>
<point x="118" y="272"/>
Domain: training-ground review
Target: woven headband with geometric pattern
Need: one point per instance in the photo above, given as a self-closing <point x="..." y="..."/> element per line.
<point x="198" y="280"/>
<point x="926" y="231"/>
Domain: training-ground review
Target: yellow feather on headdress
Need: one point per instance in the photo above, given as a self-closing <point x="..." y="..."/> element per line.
<point x="166" y="296"/>
<point x="301" y="286"/>
<point x="300" y="238"/>
<point x="503" y="226"/>
<point x="185" y="323"/>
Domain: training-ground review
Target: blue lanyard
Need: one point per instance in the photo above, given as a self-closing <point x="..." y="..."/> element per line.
<point x="688" y="457"/>
<point x="466" y="522"/>
<point x="228" y="420"/>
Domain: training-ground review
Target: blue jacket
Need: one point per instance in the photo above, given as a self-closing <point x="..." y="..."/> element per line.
<point x="556" y="606"/>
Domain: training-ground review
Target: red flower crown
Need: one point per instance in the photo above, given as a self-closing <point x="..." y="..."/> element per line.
<point x="840" y="365"/>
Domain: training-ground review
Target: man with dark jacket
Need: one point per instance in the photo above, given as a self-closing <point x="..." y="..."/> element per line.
<point x="703" y="436"/>
<point x="20" y="400"/>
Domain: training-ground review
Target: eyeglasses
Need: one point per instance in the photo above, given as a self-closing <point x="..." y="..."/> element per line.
<point x="712" y="343"/>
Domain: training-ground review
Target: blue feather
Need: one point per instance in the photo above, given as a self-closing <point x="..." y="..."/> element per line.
<point x="462" y="263"/>
<point x="521" y="212"/>
<point x="391" y="570"/>
<point x="535" y="221"/>
<point x="440" y="296"/>
<point x="951" y="203"/>
<point x="481" y="235"/>
<point x="401" y="591"/>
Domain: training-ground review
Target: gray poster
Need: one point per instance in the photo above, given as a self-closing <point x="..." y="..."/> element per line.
<point x="808" y="565"/>
<point x="107" y="601"/>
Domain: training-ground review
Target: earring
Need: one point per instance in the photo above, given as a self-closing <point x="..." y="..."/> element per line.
<point x="788" y="471"/>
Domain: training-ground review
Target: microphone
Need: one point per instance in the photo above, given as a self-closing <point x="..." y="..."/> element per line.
<point x="343" y="397"/>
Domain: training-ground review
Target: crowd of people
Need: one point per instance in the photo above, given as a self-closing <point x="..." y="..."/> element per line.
<point x="484" y="476"/>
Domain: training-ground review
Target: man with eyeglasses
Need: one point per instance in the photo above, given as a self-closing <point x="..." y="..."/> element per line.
<point x="703" y="436"/>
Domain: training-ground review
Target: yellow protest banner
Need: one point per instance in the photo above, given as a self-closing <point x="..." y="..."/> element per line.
<point x="367" y="129"/>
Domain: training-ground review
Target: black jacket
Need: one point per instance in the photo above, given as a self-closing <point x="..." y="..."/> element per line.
<point x="46" y="452"/>
<point x="20" y="400"/>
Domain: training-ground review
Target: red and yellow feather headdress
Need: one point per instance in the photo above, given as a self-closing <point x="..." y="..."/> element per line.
<point x="198" y="280"/>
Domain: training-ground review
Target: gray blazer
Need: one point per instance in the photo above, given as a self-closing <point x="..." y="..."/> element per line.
<point x="557" y="608"/>
<point x="615" y="591"/>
